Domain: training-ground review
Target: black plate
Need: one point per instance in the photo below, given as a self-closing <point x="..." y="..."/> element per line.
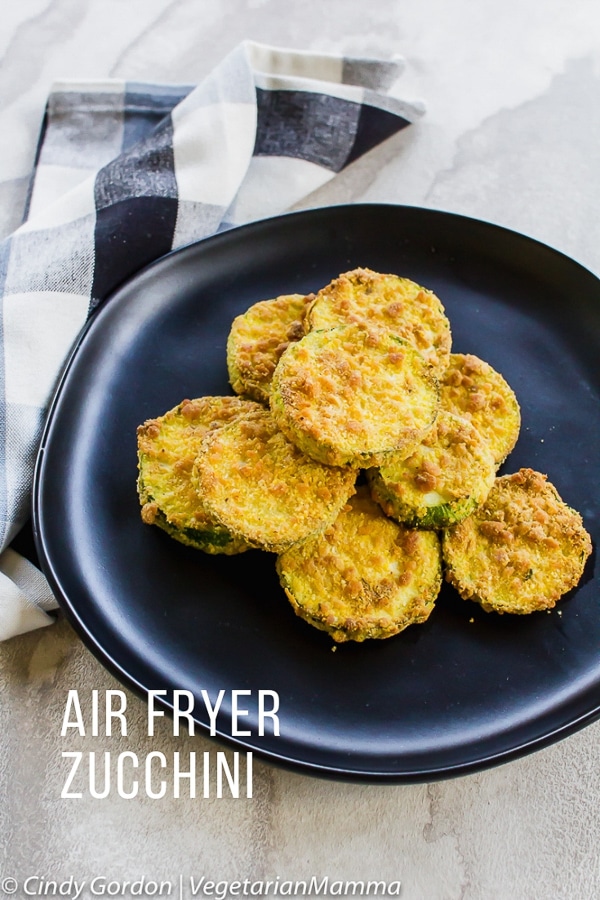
<point x="464" y="691"/>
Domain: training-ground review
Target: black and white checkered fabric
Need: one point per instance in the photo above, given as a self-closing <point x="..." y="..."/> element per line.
<point x="126" y="172"/>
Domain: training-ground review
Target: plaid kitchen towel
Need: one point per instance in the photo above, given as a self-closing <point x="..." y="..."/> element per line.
<point x="126" y="172"/>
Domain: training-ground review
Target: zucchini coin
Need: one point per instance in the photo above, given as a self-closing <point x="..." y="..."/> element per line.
<point x="258" y="338"/>
<point x="349" y="396"/>
<point x="471" y="388"/>
<point x="167" y="448"/>
<point x="365" y="577"/>
<point x="520" y="551"/>
<point x="449" y="474"/>
<point x="262" y="488"/>
<point x="398" y="305"/>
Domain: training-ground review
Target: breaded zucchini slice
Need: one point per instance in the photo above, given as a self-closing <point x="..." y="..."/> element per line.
<point x="449" y="474"/>
<point x="365" y="577"/>
<point x="520" y="551"/>
<point x="167" y="448"/>
<point x="258" y="338"/>
<point x="398" y="305"/>
<point x="262" y="488"/>
<point x="471" y="388"/>
<point x="348" y="396"/>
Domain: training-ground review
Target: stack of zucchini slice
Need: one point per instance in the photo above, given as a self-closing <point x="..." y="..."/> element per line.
<point x="364" y="453"/>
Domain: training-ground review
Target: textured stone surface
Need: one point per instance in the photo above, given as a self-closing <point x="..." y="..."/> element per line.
<point x="512" y="135"/>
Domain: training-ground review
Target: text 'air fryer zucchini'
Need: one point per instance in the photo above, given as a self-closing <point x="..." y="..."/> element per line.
<point x="358" y="376"/>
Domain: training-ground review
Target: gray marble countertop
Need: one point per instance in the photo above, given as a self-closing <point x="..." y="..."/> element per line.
<point x="512" y="136"/>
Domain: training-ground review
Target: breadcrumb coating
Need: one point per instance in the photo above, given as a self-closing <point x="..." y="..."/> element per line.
<point x="262" y="488"/>
<point x="258" y="338"/>
<point x="520" y="551"/>
<point x="471" y="388"/>
<point x="449" y="474"/>
<point x="397" y="305"/>
<point x="348" y="396"/>
<point x="365" y="577"/>
<point x="361" y="376"/>
<point x="167" y="448"/>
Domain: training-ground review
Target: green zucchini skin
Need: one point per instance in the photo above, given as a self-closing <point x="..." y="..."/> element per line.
<point x="442" y="482"/>
<point x="434" y="518"/>
<point x="167" y="448"/>
<point x="216" y="540"/>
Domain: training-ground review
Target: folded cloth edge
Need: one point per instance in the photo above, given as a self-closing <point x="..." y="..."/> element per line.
<point x="25" y="600"/>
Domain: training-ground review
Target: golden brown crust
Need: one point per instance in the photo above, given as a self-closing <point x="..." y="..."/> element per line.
<point x="167" y="448"/>
<point x="449" y="474"/>
<point x="397" y="305"/>
<point x="365" y="576"/>
<point x="258" y="338"/>
<point x="348" y="396"/>
<point x="263" y="488"/>
<point x="471" y="388"/>
<point x="519" y="552"/>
